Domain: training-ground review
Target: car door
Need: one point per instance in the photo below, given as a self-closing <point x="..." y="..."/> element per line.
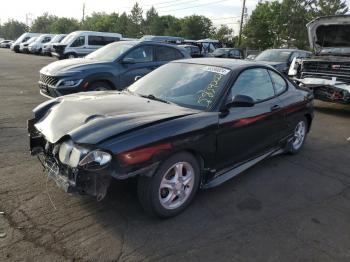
<point x="246" y="132"/>
<point x="137" y="62"/>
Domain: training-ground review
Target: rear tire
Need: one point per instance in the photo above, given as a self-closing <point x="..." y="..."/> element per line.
<point x="172" y="187"/>
<point x="300" y="132"/>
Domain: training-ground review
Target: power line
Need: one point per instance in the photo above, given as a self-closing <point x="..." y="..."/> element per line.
<point x="155" y="5"/>
<point x="176" y="4"/>
<point x="224" y="18"/>
<point x="216" y="2"/>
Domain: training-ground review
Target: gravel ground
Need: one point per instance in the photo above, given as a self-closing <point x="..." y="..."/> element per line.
<point x="288" y="208"/>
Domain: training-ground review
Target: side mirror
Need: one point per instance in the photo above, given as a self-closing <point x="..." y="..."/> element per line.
<point x="241" y="101"/>
<point x="137" y="78"/>
<point x="128" y="60"/>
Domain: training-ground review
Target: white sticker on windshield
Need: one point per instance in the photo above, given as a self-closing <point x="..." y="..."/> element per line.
<point x="216" y="69"/>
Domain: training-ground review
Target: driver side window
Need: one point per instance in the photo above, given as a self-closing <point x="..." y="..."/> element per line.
<point x="80" y="41"/>
<point x="255" y="83"/>
<point x="141" y="54"/>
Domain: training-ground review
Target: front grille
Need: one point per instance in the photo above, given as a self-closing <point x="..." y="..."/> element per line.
<point x="327" y="70"/>
<point x="48" y="80"/>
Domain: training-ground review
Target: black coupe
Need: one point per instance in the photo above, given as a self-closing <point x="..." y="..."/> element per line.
<point x="189" y="124"/>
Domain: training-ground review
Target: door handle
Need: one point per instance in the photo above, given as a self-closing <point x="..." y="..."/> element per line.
<point x="275" y="107"/>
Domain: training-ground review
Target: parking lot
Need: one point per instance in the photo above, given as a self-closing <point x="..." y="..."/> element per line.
<point x="288" y="208"/>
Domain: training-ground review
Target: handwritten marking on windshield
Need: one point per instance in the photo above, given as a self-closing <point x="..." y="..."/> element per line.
<point x="206" y="96"/>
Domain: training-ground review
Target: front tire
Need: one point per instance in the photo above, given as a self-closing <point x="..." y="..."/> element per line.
<point x="300" y="132"/>
<point x="100" y="86"/>
<point x="172" y="187"/>
<point x="71" y="56"/>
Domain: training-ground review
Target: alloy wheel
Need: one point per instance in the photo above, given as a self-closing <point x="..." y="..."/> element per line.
<point x="176" y="185"/>
<point x="299" y="135"/>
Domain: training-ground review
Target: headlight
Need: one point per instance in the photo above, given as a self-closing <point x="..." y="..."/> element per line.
<point x="70" y="83"/>
<point x="95" y="160"/>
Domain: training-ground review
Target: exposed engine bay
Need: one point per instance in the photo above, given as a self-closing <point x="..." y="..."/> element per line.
<point x="327" y="73"/>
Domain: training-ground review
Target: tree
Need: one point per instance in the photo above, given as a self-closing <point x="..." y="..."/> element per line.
<point x="152" y="23"/>
<point x="224" y="34"/>
<point x="43" y="23"/>
<point x="65" y="25"/>
<point x="13" y="29"/>
<point x="294" y="16"/>
<point x="122" y="25"/>
<point x="261" y="29"/>
<point x="134" y="28"/>
<point x="331" y="7"/>
<point x="196" y="27"/>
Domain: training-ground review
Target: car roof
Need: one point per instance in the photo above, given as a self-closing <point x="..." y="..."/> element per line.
<point x="222" y="62"/>
<point x="188" y="46"/>
<point x="287" y="49"/>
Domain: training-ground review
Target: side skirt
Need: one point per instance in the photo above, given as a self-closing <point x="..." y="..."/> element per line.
<point x="237" y="169"/>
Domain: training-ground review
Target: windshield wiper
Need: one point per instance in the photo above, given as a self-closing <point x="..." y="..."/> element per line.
<point x="152" y="97"/>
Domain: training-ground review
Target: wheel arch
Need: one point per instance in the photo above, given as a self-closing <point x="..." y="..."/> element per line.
<point x="103" y="80"/>
<point x="309" y="121"/>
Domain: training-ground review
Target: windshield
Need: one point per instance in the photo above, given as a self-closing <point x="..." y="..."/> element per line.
<point x="56" y="38"/>
<point x="31" y="40"/>
<point x="69" y="38"/>
<point x="335" y="51"/>
<point x="20" y="39"/>
<point x="274" y="56"/>
<point x="111" y="52"/>
<point x="188" y="85"/>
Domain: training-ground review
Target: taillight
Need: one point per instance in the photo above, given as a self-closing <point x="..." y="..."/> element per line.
<point x="141" y="155"/>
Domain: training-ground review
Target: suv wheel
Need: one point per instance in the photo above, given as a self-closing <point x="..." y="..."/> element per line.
<point x="100" y="86"/>
<point x="172" y="187"/>
<point x="71" y="55"/>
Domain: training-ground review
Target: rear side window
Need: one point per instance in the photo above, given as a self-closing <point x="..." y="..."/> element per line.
<point x="164" y="53"/>
<point x="101" y="40"/>
<point x="80" y="41"/>
<point x="255" y="83"/>
<point x="278" y="82"/>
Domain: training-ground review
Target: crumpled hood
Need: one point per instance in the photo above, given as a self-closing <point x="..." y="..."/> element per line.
<point x="65" y="66"/>
<point x="95" y="116"/>
<point x="329" y="31"/>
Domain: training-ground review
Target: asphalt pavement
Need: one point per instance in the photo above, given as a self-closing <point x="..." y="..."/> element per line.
<point x="287" y="208"/>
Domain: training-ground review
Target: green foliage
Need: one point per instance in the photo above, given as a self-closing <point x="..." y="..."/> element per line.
<point x="283" y="23"/>
<point x="64" y="26"/>
<point x="274" y="23"/>
<point x="331" y="7"/>
<point x="13" y="29"/>
<point x="224" y="34"/>
<point x="43" y="23"/>
<point x="134" y="27"/>
<point x="196" y="27"/>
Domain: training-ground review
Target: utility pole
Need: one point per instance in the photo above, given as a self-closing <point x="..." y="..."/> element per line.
<point x="241" y="24"/>
<point x="83" y="12"/>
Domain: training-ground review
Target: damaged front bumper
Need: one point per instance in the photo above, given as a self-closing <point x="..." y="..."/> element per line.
<point x="329" y="90"/>
<point x="76" y="179"/>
